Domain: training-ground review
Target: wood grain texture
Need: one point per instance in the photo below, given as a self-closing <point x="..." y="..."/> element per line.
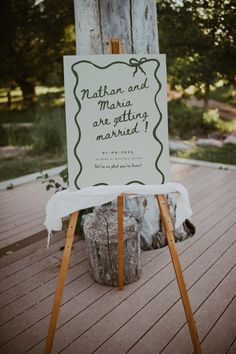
<point x="61" y="282"/>
<point x="116" y="22"/>
<point x="113" y="245"/>
<point x="144" y="27"/>
<point x="87" y="26"/>
<point x="120" y="237"/>
<point x="134" y="22"/>
<point x="168" y="227"/>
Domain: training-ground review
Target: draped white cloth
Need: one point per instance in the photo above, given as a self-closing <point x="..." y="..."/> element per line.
<point x="63" y="203"/>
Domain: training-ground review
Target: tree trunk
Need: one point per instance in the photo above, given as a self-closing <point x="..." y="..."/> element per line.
<point x="28" y="90"/>
<point x="206" y="96"/>
<point x="9" y="99"/>
<point x="135" y="22"/>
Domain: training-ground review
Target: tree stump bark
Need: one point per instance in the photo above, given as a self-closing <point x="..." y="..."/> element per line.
<point x="100" y="230"/>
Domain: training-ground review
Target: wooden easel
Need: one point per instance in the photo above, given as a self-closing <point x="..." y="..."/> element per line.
<point x="115" y="47"/>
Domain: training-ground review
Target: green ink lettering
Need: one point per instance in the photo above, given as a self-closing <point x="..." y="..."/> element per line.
<point x="100" y="93"/>
<point x="142" y="86"/>
<point x="118" y="133"/>
<point x="128" y="116"/>
<point x="107" y="105"/>
<point x="101" y="122"/>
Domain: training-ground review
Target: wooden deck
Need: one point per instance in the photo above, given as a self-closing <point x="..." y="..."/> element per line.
<point x="147" y="316"/>
<point x="22" y="215"/>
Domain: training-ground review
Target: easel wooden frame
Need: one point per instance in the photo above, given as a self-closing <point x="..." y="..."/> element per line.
<point x="115" y="47"/>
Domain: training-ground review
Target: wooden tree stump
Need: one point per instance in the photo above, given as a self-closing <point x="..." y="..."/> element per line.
<point x="100" y="230"/>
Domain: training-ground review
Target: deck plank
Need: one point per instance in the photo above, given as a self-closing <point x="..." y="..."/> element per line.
<point x="232" y="347"/>
<point x="162" y="333"/>
<point x="152" y="307"/>
<point x="49" y="273"/>
<point x="99" y="309"/>
<point x="223" y="332"/>
<point x="147" y="316"/>
<point x="22" y="213"/>
<point x="29" y="250"/>
<point x="36" y="252"/>
<point x="206" y="314"/>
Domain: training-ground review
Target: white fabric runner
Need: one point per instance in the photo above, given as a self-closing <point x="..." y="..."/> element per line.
<point x="63" y="203"/>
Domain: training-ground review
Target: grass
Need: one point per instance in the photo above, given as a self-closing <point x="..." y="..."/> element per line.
<point x="44" y="137"/>
<point x="13" y="168"/>
<point x="190" y="123"/>
<point x="225" y="154"/>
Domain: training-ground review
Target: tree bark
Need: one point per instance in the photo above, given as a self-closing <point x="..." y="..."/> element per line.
<point x="100" y="230"/>
<point x="134" y="22"/>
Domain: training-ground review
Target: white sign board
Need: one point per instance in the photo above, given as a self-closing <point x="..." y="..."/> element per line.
<point x="116" y="117"/>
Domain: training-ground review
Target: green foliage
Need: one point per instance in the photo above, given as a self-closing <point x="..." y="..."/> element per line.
<point x="41" y="126"/>
<point x="33" y="37"/>
<point x="187" y="122"/>
<point x="199" y="40"/>
<point x="21" y="113"/>
<point x="25" y="115"/>
<point x="31" y="163"/>
<point x="225" y="154"/>
<point x="64" y="176"/>
<point x="51" y="183"/>
<point x="3" y="136"/>
<point x="16" y="135"/>
<point x="211" y="118"/>
<point x="224" y="94"/>
<point x="49" y="131"/>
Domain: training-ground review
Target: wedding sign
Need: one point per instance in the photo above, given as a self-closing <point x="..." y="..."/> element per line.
<point x="116" y="118"/>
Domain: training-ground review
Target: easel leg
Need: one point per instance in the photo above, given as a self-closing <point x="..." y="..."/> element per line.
<point x="168" y="227"/>
<point x="115" y="47"/>
<point x="60" y="282"/>
<point x="120" y="207"/>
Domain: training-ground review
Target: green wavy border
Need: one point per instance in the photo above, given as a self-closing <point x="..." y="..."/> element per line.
<point x="133" y="63"/>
